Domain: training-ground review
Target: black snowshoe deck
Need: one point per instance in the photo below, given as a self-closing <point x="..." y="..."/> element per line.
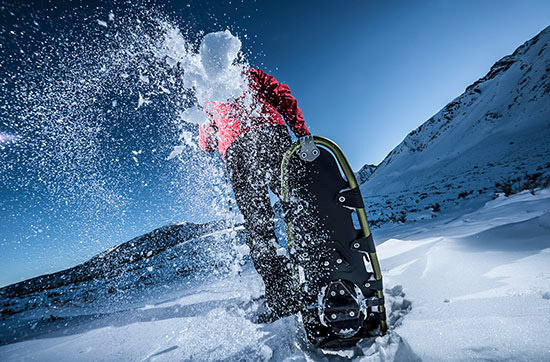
<point x="336" y="263"/>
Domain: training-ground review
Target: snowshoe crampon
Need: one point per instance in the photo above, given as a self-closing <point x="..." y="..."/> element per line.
<point x="335" y="262"/>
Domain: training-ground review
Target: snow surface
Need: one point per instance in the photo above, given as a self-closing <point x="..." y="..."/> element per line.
<point x="472" y="287"/>
<point x="477" y="282"/>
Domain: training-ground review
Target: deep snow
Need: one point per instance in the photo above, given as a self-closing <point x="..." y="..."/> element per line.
<point x="474" y="287"/>
<point x="478" y="282"/>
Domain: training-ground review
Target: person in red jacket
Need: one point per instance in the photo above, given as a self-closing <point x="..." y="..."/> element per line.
<point x="252" y="144"/>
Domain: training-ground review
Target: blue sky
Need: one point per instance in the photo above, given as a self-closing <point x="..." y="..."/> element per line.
<point x="368" y="72"/>
<point x="365" y="74"/>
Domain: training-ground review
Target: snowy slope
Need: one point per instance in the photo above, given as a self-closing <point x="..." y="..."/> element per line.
<point x="479" y="286"/>
<point x="496" y="132"/>
<point x="480" y="283"/>
<point x="129" y="274"/>
<point x="114" y="261"/>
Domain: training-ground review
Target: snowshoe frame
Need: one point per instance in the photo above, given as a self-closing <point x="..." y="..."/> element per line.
<point x="363" y="244"/>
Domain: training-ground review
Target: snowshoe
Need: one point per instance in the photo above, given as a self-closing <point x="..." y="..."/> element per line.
<point x="336" y="265"/>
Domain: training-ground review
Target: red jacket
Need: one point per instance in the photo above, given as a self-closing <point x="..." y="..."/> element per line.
<point x="229" y="121"/>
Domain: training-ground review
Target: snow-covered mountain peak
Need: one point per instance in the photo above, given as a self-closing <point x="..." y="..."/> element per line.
<point x="365" y="172"/>
<point x="138" y="254"/>
<point x="496" y="131"/>
<point x="489" y="103"/>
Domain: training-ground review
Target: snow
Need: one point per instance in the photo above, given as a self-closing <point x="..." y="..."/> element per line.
<point x="478" y="289"/>
<point x="473" y="287"/>
<point x="143" y="78"/>
<point x="217" y="52"/>
<point x="176" y="152"/>
<point x="142" y="101"/>
<point x="194" y="115"/>
<point x="74" y="131"/>
<point x="6" y="138"/>
<point x="212" y="73"/>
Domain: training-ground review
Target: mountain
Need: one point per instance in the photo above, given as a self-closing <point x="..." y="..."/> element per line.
<point x="493" y="138"/>
<point x="364" y="173"/>
<point x="116" y="260"/>
<point x="125" y="275"/>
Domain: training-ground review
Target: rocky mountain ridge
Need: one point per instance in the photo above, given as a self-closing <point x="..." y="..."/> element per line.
<point x="491" y="139"/>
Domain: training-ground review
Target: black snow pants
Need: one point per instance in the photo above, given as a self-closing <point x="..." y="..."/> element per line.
<point x="254" y="166"/>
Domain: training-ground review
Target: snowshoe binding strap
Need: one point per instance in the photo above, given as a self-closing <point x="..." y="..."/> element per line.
<point x="364" y="244"/>
<point x="350" y="198"/>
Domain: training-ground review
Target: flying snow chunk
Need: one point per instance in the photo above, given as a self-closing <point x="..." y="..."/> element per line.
<point x="187" y="138"/>
<point x="242" y="249"/>
<point x="143" y="101"/>
<point x="176" y="152"/>
<point x="218" y="50"/>
<point x="102" y="23"/>
<point x="281" y="251"/>
<point x="144" y="78"/>
<point x="111" y="16"/>
<point x="194" y="115"/>
<point x="174" y="48"/>
<point x="6" y="138"/>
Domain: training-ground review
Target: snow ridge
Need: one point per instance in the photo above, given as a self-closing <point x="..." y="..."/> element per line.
<point x="495" y="134"/>
<point x="141" y="270"/>
<point x="364" y="173"/>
